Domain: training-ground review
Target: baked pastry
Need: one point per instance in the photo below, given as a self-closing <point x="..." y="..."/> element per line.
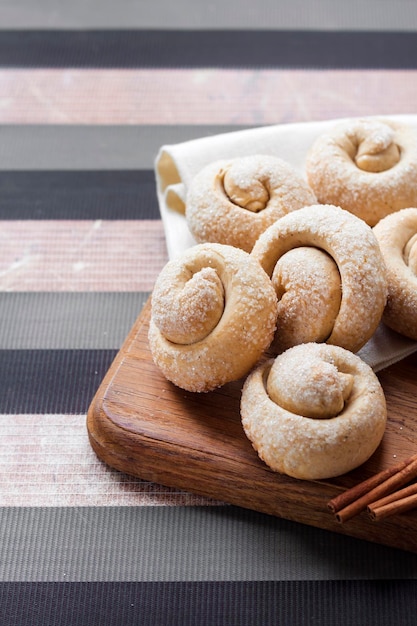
<point x="234" y="201"/>
<point x="397" y="237"/>
<point x="366" y="166"/>
<point x="212" y="317"/>
<point x="343" y="311"/>
<point x="316" y="411"/>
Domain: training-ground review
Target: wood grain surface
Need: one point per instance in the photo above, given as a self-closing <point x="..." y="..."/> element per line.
<point x="141" y="424"/>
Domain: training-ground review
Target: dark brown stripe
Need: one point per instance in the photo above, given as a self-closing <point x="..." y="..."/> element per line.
<point x="78" y="195"/>
<point x="51" y="381"/>
<point x="208" y="48"/>
<point x="293" y="603"/>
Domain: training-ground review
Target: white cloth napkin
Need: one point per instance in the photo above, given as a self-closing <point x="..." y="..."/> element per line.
<point x="176" y="165"/>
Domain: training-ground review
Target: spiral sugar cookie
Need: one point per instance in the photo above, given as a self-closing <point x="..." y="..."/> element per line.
<point x="213" y="315"/>
<point x="234" y="201"/>
<point x="397" y="237"/>
<point x="345" y="305"/>
<point x="366" y="166"/>
<point x="316" y="411"/>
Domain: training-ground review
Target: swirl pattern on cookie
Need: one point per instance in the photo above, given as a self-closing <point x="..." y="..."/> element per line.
<point x="316" y="411"/>
<point x="234" y="201"/>
<point x="397" y="237"/>
<point x="366" y="166"/>
<point x="347" y="311"/>
<point x="307" y="283"/>
<point x="213" y="315"/>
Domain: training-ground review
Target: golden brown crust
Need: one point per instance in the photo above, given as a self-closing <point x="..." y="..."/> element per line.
<point x="213" y="315"/>
<point x="234" y="201"/>
<point x="352" y="246"/>
<point x="316" y="411"/>
<point x="397" y="237"/>
<point x="366" y="166"/>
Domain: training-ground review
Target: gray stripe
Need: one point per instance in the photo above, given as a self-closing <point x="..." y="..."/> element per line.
<point x="40" y="320"/>
<point x="298" y="14"/>
<point x="182" y="543"/>
<point x="92" y="147"/>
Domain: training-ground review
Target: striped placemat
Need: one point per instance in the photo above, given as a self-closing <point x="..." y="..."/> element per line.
<point x="89" y="92"/>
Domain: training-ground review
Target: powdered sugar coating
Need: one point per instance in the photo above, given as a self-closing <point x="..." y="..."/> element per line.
<point x="323" y="445"/>
<point x="187" y="306"/>
<point x="367" y="167"/>
<point x="234" y="201"/>
<point x="312" y="388"/>
<point x="353" y="246"/>
<point x="244" y="330"/>
<point x="397" y="237"/>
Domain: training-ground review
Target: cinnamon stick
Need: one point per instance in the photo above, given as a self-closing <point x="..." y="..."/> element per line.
<point x="350" y="495"/>
<point x="377" y="487"/>
<point x="393" y="508"/>
<point x="393" y="503"/>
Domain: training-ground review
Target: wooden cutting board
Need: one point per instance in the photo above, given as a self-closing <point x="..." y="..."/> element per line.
<point x="141" y="424"/>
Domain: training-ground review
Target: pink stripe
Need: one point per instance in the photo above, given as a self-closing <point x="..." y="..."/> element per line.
<point x="81" y="255"/>
<point x="201" y="96"/>
<point x="46" y="460"/>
